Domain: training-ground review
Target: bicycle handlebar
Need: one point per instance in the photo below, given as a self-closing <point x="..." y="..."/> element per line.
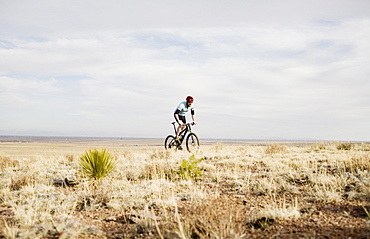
<point x="185" y="124"/>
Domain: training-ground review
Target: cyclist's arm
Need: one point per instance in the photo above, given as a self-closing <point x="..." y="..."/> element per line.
<point x="177" y="117"/>
<point x="193" y="114"/>
<point x="176" y="114"/>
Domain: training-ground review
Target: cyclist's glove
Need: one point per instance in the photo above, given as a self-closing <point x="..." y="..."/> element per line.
<point x="194" y="123"/>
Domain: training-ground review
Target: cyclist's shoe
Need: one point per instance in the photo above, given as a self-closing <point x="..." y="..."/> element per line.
<point x="177" y="140"/>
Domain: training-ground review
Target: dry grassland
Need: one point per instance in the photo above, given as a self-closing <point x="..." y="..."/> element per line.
<point x="244" y="190"/>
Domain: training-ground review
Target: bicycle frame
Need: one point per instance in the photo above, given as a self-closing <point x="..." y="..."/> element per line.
<point x="185" y="135"/>
<point x="182" y="132"/>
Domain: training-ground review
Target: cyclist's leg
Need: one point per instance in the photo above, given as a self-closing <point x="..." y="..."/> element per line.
<point x="180" y="127"/>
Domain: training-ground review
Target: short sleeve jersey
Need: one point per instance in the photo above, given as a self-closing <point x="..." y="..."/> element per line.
<point x="183" y="108"/>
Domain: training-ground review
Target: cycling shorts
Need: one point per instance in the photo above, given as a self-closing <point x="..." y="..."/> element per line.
<point x="182" y="118"/>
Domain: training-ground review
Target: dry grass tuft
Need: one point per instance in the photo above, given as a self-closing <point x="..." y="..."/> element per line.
<point x="364" y="147"/>
<point x="275" y="148"/>
<point x="19" y="181"/>
<point x="279" y="211"/>
<point x="344" y="146"/>
<point x="358" y="163"/>
<point x="214" y="218"/>
<point x="6" y="162"/>
<point x="319" y="146"/>
<point x="160" y="154"/>
<point x="158" y="169"/>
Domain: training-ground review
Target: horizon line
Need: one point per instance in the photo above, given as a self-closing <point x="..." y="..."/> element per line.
<point x="155" y="138"/>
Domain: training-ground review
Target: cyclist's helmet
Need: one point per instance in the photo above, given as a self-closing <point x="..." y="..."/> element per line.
<point x="189" y="99"/>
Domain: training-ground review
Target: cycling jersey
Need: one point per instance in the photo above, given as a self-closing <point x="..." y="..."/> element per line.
<point x="183" y="108"/>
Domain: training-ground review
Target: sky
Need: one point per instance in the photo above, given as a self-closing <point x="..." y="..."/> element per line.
<point x="267" y="69"/>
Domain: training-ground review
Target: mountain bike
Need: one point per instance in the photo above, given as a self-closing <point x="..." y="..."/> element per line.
<point x="191" y="139"/>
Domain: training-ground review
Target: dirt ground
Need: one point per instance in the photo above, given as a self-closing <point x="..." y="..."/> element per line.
<point x="334" y="220"/>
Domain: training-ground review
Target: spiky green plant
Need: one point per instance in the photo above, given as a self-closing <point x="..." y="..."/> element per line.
<point x="97" y="164"/>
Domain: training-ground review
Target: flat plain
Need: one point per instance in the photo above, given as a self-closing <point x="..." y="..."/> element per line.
<point x="229" y="189"/>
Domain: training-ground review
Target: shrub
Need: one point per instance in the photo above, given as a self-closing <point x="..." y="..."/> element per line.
<point x="358" y="163"/>
<point x="275" y="148"/>
<point x="158" y="169"/>
<point x="279" y="212"/>
<point x="97" y="164"/>
<point x="160" y="154"/>
<point x="364" y="147"/>
<point x="319" y="146"/>
<point x="215" y="218"/>
<point x="20" y="181"/>
<point x="273" y="212"/>
<point x="190" y="168"/>
<point x="8" y="162"/>
<point x="344" y="146"/>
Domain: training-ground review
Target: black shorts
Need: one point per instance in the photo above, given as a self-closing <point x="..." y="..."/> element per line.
<point x="182" y="118"/>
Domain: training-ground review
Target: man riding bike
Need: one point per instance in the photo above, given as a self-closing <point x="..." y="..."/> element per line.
<point x="180" y="112"/>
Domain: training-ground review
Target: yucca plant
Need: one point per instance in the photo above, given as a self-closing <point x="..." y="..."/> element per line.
<point x="97" y="164"/>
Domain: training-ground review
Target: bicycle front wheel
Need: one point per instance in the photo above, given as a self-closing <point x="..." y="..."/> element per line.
<point x="170" y="142"/>
<point x="192" y="142"/>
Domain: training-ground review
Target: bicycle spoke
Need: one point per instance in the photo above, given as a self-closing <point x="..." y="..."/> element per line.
<point x="170" y="143"/>
<point x="192" y="142"/>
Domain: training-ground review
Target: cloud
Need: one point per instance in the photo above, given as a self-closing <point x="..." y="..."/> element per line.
<point x="120" y="68"/>
<point x="71" y="16"/>
<point x="20" y="93"/>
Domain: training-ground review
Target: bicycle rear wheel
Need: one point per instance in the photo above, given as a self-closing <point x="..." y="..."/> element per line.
<point x="192" y="142"/>
<point x="170" y="142"/>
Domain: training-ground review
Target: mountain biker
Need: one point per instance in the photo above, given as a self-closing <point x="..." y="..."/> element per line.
<point x="180" y="112"/>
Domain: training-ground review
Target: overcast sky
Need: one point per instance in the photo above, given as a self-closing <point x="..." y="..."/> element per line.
<point x="266" y="69"/>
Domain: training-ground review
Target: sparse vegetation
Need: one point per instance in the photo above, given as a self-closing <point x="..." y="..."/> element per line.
<point x="8" y="162"/>
<point x="223" y="191"/>
<point x="319" y="146"/>
<point x="344" y="146"/>
<point x="274" y="148"/>
<point x="364" y="147"/>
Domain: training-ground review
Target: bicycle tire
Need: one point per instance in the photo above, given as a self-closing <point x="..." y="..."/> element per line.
<point x="170" y="142"/>
<point x="192" y="142"/>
